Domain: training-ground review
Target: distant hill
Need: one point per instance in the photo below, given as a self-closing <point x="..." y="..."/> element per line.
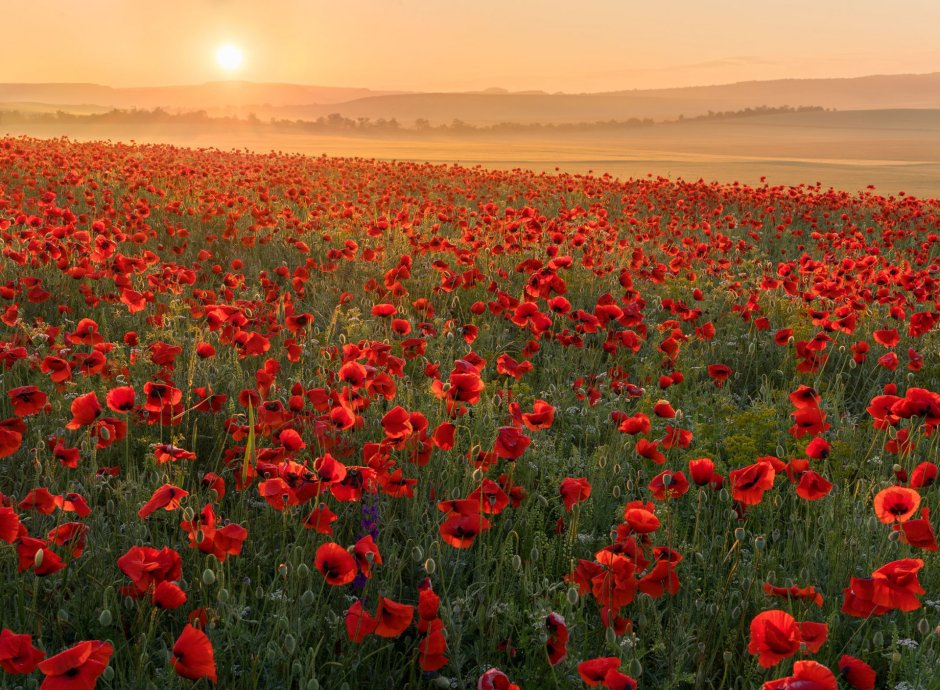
<point x="212" y="95"/>
<point x="292" y="101"/>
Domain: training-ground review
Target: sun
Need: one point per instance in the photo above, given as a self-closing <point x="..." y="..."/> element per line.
<point x="229" y="57"/>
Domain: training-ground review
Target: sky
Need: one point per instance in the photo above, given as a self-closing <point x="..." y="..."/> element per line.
<point x="452" y="45"/>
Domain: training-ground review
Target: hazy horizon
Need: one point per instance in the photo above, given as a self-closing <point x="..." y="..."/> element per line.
<point x="421" y="45"/>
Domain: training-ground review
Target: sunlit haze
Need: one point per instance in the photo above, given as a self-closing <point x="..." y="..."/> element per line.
<point x="552" y="45"/>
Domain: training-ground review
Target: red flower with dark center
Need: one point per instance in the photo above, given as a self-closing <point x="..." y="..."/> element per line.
<point x="167" y="497"/>
<point x="336" y="564"/>
<point x="85" y="410"/>
<point x="896" y="504"/>
<point x="77" y="668"/>
<point x="857" y="673"/>
<point x="748" y="484"/>
<point x="193" y="657"/>
<point x="27" y="400"/>
<point x="17" y="653"/>
<point x="775" y="636"/>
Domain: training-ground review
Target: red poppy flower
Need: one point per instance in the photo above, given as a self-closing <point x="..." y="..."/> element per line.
<point x="919" y="533"/>
<point x="775" y="636"/>
<point x="813" y="635"/>
<point x="9" y="524"/>
<point x="461" y="530"/>
<point x="321" y="519"/>
<point x="574" y="490"/>
<point x="719" y="373"/>
<point x="193" y="657"/>
<point x="77" y="668"/>
<point x="11" y="436"/>
<point x="85" y="410"/>
<point x="807" y="675"/>
<point x="17" y="653"/>
<point x="669" y="484"/>
<point x="557" y="645"/>
<point x="637" y="424"/>
<point x="392" y="618"/>
<point x="359" y="623"/>
<point x="813" y="486"/>
<point x="594" y="671"/>
<point x="27" y="400"/>
<point x="494" y="679"/>
<point x="168" y="595"/>
<point x="807" y="593"/>
<point x="335" y="563"/>
<point x="167" y="497"/>
<point x="805" y="397"/>
<point x="857" y="673"/>
<point x="896" y="504"/>
<point x="121" y="399"/>
<point x="701" y="471"/>
<point x="748" y="484"/>
<point x="925" y="474"/>
<point x="818" y="449"/>
<point x="511" y="443"/>
<point x="147" y="566"/>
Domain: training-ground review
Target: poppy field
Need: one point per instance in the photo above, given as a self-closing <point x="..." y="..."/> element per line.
<point x="277" y="421"/>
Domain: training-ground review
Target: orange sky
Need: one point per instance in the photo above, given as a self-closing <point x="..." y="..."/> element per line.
<point x="555" y="45"/>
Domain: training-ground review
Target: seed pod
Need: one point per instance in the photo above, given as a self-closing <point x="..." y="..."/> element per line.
<point x="282" y="569"/>
<point x="760" y="543"/>
<point x="740" y="534"/>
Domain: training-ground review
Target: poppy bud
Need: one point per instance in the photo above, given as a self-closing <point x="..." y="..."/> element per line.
<point x="895" y="657"/>
<point x="290" y="644"/>
<point x="572" y="596"/>
<point x="430" y="566"/>
<point x="208" y="576"/>
<point x="307" y="598"/>
<point x="878" y="639"/>
<point x="894" y="536"/>
<point x="303" y="571"/>
<point x="108" y="674"/>
<point x="37" y="559"/>
<point x="223" y="595"/>
<point x="105" y="433"/>
<point x="534" y="554"/>
<point x="667" y="479"/>
<point x="105" y="618"/>
<point x="923" y="627"/>
<point x="417" y="553"/>
<point x="611" y="636"/>
<point x="62" y="616"/>
<point x="516" y="562"/>
<point x="636" y="668"/>
<point x="615" y="492"/>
